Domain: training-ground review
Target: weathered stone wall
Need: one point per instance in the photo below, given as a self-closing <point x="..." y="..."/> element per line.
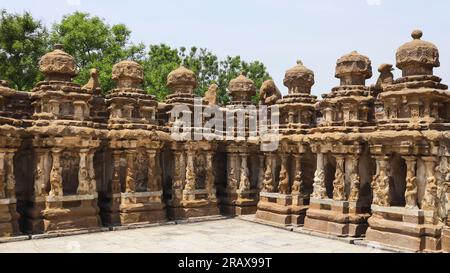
<point x="69" y="155"/>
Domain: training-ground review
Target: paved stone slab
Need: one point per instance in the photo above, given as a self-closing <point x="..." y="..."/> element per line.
<point x="231" y="235"/>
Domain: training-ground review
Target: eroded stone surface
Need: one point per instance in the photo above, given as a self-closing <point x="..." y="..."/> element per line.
<point x="364" y="160"/>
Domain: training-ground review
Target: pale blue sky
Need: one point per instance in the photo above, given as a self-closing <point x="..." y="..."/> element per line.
<point x="277" y="32"/>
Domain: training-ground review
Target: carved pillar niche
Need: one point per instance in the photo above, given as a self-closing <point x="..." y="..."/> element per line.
<point x="429" y="201"/>
<point x="116" y="187"/>
<point x="56" y="183"/>
<point x="210" y="175"/>
<point x="268" y="185"/>
<point x="190" y="172"/>
<point x="298" y="186"/>
<point x="244" y="181"/>
<point x="380" y="182"/>
<point x="10" y="178"/>
<point x="355" y="180"/>
<point x="91" y="172"/>
<point x="320" y="191"/>
<point x="339" y="179"/>
<point x="178" y="183"/>
<point x="130" y="183"/>
<point x="83" y="173"/>
<point x="283" y="186"/>
<point x="261" y="172"/>
<point x="2" y="175"/>
<point x="154" y="171"/>
<point x="411" y="182"/>
<point x="232" y="172"/>
<point x="40" y="174"/>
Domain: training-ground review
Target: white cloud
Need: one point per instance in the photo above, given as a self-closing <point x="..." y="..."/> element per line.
<point x="374" y="2"/>
<point x="73" y="2"/>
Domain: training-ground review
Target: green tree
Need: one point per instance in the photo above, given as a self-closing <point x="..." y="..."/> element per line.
<point x="160" y="61"/>
<point x="95" y="44"/>
<point x="23" y="40"/>
<point x="231" y="67"/>
<point x="204" y="64"/>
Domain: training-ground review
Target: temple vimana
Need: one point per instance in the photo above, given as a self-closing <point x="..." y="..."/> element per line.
<point x="365" y="161"/>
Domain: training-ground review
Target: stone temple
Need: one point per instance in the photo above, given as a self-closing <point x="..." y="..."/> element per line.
<point x="365" y="161"/>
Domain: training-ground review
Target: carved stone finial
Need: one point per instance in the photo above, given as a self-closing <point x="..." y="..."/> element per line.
<point x="299" y="79"/>
<point x="353" y="69"/>
<point x="417" y="57"/>
<point x="58" y="47"/>
<point x="182" y="80"/>
<point x="58" y="65"/>
<point x="128" y="74"/>
<point x="242" y="88"/>
<point x="417" y="34"/>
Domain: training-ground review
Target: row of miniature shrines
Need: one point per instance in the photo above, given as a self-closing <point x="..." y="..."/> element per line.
<point x="365" y="161"/>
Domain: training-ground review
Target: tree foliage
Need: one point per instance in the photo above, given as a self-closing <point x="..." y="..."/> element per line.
<point x="23" y="40"/>
<point x="96" y="44"/>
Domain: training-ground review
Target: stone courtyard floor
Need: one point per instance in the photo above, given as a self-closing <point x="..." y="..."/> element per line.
<point x="223" y="236"/>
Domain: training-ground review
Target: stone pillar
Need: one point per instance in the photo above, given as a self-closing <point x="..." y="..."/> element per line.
<point x="2" y="175"/>
<point x="130" y="185"/>
<point x="154" y="174"/>
<point x="116" y="187"/>
<point x="10" y="177"/>
<point x="429" y="201"/>
<point x="179" y="165"/>
<point x="268" y="185"/>
<point x="244" y="181"/>
<point x="232" y="172"/>
<point x="210" y="178"/>
<point x="56" y="183"/>
<point x="83" y="179"/>
<point x="339" y="179"/>
<point x="283" y="186"/>
<point x="261" y="172"/>
<point x="320" y="191"/>
<point x="91" y="172"/>
<point x="380" y="182"/>
<point x="297" y="186"/>
<point x="411" y="182"/>
<point x="355" y="180"/>
<point x="190" y="171"/>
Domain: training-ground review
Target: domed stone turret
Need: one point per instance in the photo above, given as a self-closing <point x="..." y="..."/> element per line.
<point x="128" y="74"/>
<point x="299" y="79"/>
<point x="417" y="57"/>
<point x="58" y="65"/>
<point x="353" y="69"/>
<point x="182" y="80"/>
<point x="242" y="89"/>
